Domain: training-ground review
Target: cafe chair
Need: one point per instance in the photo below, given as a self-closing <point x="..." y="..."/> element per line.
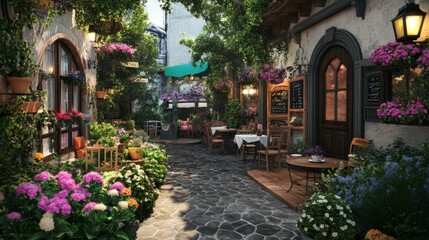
<point x="357" y="144"/>
<point x="104" y="158"/>
<point x="185" y="129"/>
<point x="79" y="144"/>
<point x="213" y="141"/>
<point x="246" y="148"/>
<point x="273" y="152"/>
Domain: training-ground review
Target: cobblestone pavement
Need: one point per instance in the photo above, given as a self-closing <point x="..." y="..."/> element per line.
<point x="211" y="197"/>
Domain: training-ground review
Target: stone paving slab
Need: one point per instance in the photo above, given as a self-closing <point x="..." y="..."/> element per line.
<point x="211" y="197"/>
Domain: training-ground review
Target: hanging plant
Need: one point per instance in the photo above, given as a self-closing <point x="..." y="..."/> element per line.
<point x="396" y="55"/>
<point x="74" y="78"/>
<point x="271" y="74"/>
<point x="222" y="85"/>
<point x="249" y="76"/>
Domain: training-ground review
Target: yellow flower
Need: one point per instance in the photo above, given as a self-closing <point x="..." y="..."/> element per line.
<point x="126" y="192"/>
<point x="375" y="234"/>
<point x="38" y="156"/>
<point x="133" y="202"/>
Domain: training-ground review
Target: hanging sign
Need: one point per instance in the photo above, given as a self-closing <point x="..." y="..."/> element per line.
<point x="131" y="64"/>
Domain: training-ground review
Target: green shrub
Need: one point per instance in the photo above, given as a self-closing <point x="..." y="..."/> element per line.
<point x="103" y="129"/>
<point x="389" y="192"/>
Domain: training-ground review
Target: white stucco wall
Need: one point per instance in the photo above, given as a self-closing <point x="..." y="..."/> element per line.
<point x="63" y="28"/>
<point x="375" y="30"/>
<point x="180" y="22"/>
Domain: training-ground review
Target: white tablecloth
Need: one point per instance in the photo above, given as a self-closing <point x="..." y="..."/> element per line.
<point x="239" y="138"/>
<point x="215" y="128"/>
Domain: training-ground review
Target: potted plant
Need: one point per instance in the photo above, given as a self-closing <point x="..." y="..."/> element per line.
<point x="326" y="216"/>
<point x="135" y="148"/>
<point x="271" y="74"/>
<point x="315" y="152"/>
<point x="16" y="60"/>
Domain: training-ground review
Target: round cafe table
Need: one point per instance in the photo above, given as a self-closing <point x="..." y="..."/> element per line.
<point x="305" y="163"/>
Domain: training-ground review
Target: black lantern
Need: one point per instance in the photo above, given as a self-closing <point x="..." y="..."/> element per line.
<point x="92" y="34"/>
<point x="408" y="23"/>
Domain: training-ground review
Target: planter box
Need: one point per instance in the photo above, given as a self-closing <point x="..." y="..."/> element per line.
<point x="168" y="131"/>
<point x="383" y="134"/>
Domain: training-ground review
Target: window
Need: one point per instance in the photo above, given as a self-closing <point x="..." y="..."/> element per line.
<point x="336" y="91"/>
<point x="58" y="60"/>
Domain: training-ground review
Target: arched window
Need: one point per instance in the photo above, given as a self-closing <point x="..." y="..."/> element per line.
<point x="58" y="60"/>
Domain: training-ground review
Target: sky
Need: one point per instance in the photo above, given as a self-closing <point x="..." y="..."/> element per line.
<point x="156" y="15"/>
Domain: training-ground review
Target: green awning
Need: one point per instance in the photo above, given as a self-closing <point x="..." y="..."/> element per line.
<point x="182" y="70"/>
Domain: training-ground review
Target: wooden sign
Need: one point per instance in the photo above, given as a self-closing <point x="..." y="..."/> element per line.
<point x="279" y="101"/>
<point x="297" y="94"/>
<point x="373" y="88"/>
<point x="131" y="64"/>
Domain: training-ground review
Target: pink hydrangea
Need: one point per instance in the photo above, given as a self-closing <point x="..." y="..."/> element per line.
<point x="54" y="205"/>
<point x="92" y="177"/>
<point x="89" y="207"/>
<point x="118" y="186"/>
<point x="395" y="53"/>
<point x="271" y="74"/>
<point x="13" y="216"/>
<point x="116" y="47"/>
<point x="29" y="189"/>
<point x="43" y="176"/>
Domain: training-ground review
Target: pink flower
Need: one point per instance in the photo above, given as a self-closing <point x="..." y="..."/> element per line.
<point x="43" y="176"/>
<point x="14" y="216"/>
<point x="118" y="186"/>
<point x="54" y="205"/>
<point x="259" y="127"/>
<point x="89" y="207"/>
<point x="92" y="177"/>
<point x="29" y="189"/>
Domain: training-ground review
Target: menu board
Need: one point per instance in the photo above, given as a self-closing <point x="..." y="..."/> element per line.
<point x="278" y="123"/>
<point x="373" y="91"/>
<point x="297" y="94"/>
<point x="279" y="101"/>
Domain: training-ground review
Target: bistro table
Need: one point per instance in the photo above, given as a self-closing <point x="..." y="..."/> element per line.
<point x="306" y="163"/>
<point x="227" y="134"/>
<point x="249" y="138"/>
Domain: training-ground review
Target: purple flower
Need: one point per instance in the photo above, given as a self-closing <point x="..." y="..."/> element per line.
<point x="67" y="184"/>
<point x="89" y="207"/>
<point x="62" y="194"/>
<point x="76" y="196"/>
<point x="92" y="177"/>
<point x="43" y="176"/>
<point x="14" y="216"/>
<point x="116" y="47"/>
<point x="118" y="186"/>
<point x="30" y="189"/>
<point x="55" y="205"/>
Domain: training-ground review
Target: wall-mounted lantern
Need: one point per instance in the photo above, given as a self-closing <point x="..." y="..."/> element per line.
<point x="408" y="23"/>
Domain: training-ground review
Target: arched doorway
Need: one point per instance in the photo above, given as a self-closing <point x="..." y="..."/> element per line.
<point x="335" y="116"/>
<point x="58" y="60"/>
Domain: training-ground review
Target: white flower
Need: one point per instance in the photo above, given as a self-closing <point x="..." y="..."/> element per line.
<point x="48" y="215"/>
<point x="123" y="204"/>
<point x="343" y="227"/>
<point x="113" y="192"/>
<point x="322" y="226"/>
<point x="334" y="234"/>
<point x="329" y="207"/>
<point x="324" y="234"/>
<point x="306" y="229"/>
<point x="327" y="215"/>
<point x="303" y="215"/>
<point x="331" y="218"/>
<point x="47" y="224"/>
<point x="315" y="227"/>
<point x="100" y="207"/>
<point x="341" y="212"/>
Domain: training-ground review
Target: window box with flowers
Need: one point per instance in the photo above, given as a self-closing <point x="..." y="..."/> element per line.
<point x="271" y="74"/>
<point x="66" y="119"/>
<point x="74" y="78"/>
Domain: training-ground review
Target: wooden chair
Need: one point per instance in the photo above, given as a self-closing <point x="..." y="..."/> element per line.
<point x="359" y="143"/>
<point x="104" y="158"/>
<point x="79" y="147"/>
<point x="246" y="147"/>
<point x="217" y="123"/>
<point x="275" y="141"/>
<point x="213" y="141"/>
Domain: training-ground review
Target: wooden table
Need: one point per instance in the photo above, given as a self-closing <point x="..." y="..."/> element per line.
<point x="304" y="162"/>
<point x="227" y="134"/>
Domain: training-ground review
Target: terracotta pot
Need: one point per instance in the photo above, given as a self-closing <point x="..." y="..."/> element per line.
<point x="135" y="152"/>
<point x="44" y="4"/>
<point x="19" y="85"/>
<point x="30" y="107"/>
<point x="101" y="94"/>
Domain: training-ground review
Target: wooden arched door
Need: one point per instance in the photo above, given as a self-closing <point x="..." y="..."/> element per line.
<point x="335" y="118"/>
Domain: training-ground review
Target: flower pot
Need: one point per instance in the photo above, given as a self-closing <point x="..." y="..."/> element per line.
<point x="30" y="107"/>
<point x="43" y="4"/>
<point x="135" y="152"/>
<point x="101" y="94"/>
<point x="19" y="85"/>
<point x="316" y="158"/>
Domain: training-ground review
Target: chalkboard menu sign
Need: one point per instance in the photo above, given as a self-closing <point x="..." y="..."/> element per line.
<point x="373" y="88"/>
<point x="297" y="94"/>
<point x="279" y="101"/>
